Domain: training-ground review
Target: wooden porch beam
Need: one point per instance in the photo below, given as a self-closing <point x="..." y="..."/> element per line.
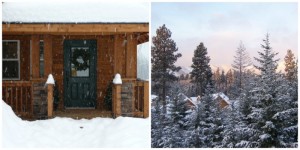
<point x="118" y="55"/>
<point x="131" y="57"/>
<point x="73" y="28"/>
<point x="35" y="56"/>
<point x="48" y="54"/>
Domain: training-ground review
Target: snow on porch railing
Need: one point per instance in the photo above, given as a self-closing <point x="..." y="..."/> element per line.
<point x="131" y="98"/>
<point x="18" y="94"/>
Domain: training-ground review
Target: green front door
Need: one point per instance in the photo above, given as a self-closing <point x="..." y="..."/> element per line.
<point x="80" y="73"/>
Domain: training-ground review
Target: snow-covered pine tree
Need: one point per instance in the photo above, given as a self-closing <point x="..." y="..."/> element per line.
<point x="264" y="97"/>
<point x="108" y="97"/>
<point x="201" y="74"/>
<point x="206" y="123"/>
<point x="159" y="127"/>
<point x="163" y="57"/>
<point x="286" y="118"/>
<point x="155" y="124"/>
<point x="241" y="61"/>
<point x="237" y="133"/>
<point x="177" y="108"/>
<point x="290" y="65"/>
<point x="177" y="112"/>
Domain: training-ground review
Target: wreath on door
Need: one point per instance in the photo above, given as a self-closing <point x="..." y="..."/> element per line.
<point x="78" y="55"/>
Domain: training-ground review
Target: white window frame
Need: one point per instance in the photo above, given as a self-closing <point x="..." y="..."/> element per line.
<point x="13" y="59"/>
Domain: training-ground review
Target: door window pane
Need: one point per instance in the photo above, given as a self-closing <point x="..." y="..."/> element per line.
<point x="80" y="62"/>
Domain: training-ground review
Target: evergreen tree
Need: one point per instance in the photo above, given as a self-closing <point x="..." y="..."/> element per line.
<point x="217" y="79"/>
<point x="229" y="81"/>
<point x="163" y="57"/>
<point x="290" y="65"/>
<point x="187" y="76"/>
<point x="222" y="81"/>
<point x="264" y="97"/>
<point x="108" y="96"/>
<point x="177" y="112"/>
<point x="201" y="73"/>
<point x="181" y="77"/>
<point x="286" y="119"/>
<point x="55" y="96"/>
<point x="206" y="122"/>
<point x="241" y="61"/>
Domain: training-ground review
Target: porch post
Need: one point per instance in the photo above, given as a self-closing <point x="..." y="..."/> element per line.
<point x="48" y="54"/>
<point x="35" y="56"/>
<point x="50" y="83"/>
<point x="117" y="96"/>
<point x="146" y="99"/>
<point x="131" y="57"/>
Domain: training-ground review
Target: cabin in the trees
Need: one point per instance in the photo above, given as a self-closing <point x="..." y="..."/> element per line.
<point x="222" y="99"/>
<point x="192" y="102"/>
<point x="83" y="46"/>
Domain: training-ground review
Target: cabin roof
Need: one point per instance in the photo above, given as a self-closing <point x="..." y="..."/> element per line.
<point x="75" y="12"/>
<point x="222" y="95"/>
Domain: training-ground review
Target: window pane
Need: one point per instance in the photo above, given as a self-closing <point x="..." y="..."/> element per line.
<point x="10" y="49"/>
<point x="80" y="62"/>
<point x="41" y="50"/>
<point x="10" y="69"/>
<point x="41" y="59"/>
<point x="41" y="69"/>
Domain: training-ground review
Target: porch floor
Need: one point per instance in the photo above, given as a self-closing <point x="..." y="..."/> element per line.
<point x="82" y="113"/>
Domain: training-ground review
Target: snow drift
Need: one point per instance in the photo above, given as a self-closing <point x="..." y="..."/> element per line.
<point x="66" y="132"/>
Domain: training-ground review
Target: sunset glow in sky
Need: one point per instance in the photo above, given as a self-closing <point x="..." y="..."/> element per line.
<point x="221" y="27"/>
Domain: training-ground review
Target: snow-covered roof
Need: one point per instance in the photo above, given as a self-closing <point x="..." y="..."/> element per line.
<point x="183" y="96"/>
<point x="75" y="12"/>
<point x="153" y="97"/>
<point x="194" y="100"/>
<point x="222" y="95"/>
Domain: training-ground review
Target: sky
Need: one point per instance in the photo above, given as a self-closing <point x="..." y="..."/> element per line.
<point x="221" y="27"/>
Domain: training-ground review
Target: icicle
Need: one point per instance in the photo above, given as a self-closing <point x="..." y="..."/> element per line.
<point x="115" y="29"/>
<point x="48" y="26"/>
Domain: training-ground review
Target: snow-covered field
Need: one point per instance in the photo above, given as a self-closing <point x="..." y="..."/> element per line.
<point x="65" y="132"/>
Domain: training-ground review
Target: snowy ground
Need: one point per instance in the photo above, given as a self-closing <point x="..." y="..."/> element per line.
<point x="65" y="132"/>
